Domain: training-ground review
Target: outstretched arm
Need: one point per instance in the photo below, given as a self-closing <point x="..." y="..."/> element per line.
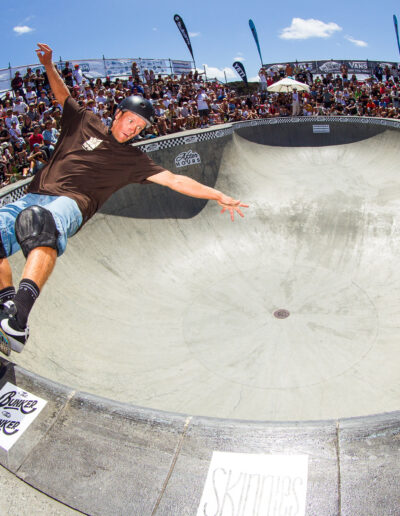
<point x="58" y="87"/>
<point x="188" y="186"/>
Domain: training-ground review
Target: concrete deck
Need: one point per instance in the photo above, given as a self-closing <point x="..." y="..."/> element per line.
<point x="161" y="302"/>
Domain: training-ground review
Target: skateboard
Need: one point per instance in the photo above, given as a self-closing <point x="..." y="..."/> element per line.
<point x="5" y="346"/>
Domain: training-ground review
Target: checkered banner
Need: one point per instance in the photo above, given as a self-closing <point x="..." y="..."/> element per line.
<point x="13" y="194"/>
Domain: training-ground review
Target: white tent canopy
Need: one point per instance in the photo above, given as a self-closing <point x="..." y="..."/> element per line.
<point x="288" y="85"/>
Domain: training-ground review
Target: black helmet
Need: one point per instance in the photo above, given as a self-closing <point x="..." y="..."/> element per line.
<point x="142" y="107"/>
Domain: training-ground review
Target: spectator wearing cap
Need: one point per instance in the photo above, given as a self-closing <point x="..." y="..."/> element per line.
<point x="105" y="118"/>
<point x="263" y="79"/>
<point x="17" y="84"/>
<point x="19" y="106"/>
<point x="44" y="98"/>
<point x="10" y="118"/>
<point x="28" y="78"/>
<point x="32" y="113"/>
<point x="130" y="82"/>
<point x="137" y="87"/>
<point x="39" y="80"/>
<point x="27" y="126"/>
<point x="15" y="132"/>
<point x="86" y="90"/>
<point x="37" y="159"/>
<point x="57" y="118"/>
<point x="41" y="108"/>
<point x="77" y="75"/>
<point x="91" y="104"/>
<point x="4" y="133"/>
<point x="21" y="156"/>
<point x="50" y="136"/>
<point x="101" y="97"/>
<point x="36" y="137"/>
<point x="30" y="95"/>
<point x="66" y="73"/>
<point x="135" y="70"/>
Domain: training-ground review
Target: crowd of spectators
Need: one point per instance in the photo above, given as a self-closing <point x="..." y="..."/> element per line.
<point x="30" y="117"/>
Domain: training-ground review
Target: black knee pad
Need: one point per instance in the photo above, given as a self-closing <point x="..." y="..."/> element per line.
<point x="35" y="227"/>
<point x="2" y="250"/>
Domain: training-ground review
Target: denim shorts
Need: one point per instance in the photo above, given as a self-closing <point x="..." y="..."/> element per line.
<point x="65" y="211"/>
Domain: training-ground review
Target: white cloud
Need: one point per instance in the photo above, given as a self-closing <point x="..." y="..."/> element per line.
<point x="239" y="57"/>
<point x="194" y="34"/>
<point x="218" y="73"/>
<point x="22" y="29"/>
<point x="357" y="42"/>
<point x="304" y="29"/>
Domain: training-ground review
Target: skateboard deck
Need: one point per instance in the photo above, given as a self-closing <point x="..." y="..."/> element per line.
<point x="5" y="346"/>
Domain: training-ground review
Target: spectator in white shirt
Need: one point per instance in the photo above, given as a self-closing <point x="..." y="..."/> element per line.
<point x="78" y="75"/>
<point x="20" y="107"/>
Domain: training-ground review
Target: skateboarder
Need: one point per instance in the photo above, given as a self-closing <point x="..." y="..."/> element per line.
<point x="90" y="162"/>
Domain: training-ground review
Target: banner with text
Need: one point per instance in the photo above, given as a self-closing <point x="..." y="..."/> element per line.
<point x="183" y="30"/>
<point x="93" y="68"/>
<point x="238" y="66"/>
<point x="333" y="66"/>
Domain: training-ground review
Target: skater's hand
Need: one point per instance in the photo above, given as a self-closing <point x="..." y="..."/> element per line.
<point x="232" y="205"/>
<point x="44" y="53"/>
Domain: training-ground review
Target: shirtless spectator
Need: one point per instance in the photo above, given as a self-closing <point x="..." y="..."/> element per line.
<point x="66" y="73"/>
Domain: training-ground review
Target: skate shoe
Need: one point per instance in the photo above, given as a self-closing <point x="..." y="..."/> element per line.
<point x="12" y="336"/>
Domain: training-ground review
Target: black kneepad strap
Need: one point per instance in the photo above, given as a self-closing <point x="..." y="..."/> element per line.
<point x="35" y="227"/>
<point x="3" y="253"/>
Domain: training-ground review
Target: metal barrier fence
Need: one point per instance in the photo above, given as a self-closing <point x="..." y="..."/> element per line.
<point x="94" y="68"/>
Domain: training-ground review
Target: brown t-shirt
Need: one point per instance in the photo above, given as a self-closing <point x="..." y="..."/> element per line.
<point x="88" y="164"/>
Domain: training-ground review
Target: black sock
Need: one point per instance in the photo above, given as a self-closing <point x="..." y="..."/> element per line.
<point x="7" y="294"/>
<point x="24" y="299"/>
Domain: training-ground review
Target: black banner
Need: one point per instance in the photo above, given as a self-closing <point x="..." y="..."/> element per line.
<point x="182" y="28"/>
<point x="333" y="66"/>
<point x="238" y="66"/>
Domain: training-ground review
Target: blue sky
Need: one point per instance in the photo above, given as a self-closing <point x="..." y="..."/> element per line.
<point x="219" y="31"/>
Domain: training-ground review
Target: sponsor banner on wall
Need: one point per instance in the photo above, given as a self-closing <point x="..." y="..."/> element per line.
<point x="255" y="485"/>
<point x="94" y="68"/>
<point x="333" y="66"/>
<point x="18" y="409"/>
<point x="187" y="158"/>
<point x="157" y="65"/>
<point x="180" y="67"/>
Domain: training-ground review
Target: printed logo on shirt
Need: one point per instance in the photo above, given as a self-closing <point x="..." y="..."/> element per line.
<point x="91" y="144"/>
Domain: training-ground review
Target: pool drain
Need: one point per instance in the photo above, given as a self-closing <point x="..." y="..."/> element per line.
<point x="281" y="313"/>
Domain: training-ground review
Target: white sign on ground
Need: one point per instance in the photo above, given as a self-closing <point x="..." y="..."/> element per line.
<point x="18" y="409"/>
<point x="241" y="484"/>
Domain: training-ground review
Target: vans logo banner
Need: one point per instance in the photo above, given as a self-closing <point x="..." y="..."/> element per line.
<point x="18" y="409"/>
